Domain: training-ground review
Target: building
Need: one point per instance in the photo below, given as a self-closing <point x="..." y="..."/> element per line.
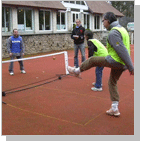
<point x="46" y="25"/>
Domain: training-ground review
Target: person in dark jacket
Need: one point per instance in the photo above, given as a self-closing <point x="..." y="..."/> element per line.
<point x="15" y="48"/>
<point x="78" y="37"/>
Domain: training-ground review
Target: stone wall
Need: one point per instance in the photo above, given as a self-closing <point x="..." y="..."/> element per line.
<point x="42" y="43"/>
<point x="49" y="42"/>
<point x="45" y="43"/>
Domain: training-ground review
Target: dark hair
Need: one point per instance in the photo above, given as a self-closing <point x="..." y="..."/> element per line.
<point x="89" y="34"/>
<point x="110" y="16"/>
<point x="15" y="29"/>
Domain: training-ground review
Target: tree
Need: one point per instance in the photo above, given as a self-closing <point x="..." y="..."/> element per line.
<point x="125" y="7"/>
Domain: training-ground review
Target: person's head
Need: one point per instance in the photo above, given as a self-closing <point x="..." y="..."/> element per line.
<point x="15" y="32"/>
<point x="88" y="34"/>
<point x="78" y="22"/>
<point x="108" y="18"/>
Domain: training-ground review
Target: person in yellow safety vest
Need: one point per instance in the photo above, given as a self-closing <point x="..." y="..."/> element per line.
<point x="118" y="60"/>
<point x="96" y="48"/>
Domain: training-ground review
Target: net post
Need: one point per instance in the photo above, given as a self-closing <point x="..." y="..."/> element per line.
<point x="66" y="61"/>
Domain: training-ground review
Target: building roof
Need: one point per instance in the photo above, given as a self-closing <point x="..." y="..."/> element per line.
<point x="97" y="7"/>
<point x="101" y="7"/>
<point x="38" y="4"/>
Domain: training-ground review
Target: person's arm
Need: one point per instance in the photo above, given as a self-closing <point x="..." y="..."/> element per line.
<point x="9" y="44"/>
<point x="22" y="46"/>
<point x="115" y="40"/>
<point x="91" y="49"/>
<point x="72" y="34"/>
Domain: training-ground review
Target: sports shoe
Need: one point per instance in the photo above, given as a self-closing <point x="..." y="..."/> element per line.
<point x="74" y="71"/>
<point x="11" y="73"/>
<point x="96" y="89"/>
<point x="94" y="84"/>
<point x="111" y="112"/>
<point x="23" y="71"/>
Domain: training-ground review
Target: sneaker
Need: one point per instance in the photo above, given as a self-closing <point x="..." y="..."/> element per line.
<point x="96" y="89"/>
<point x="23" y="71"/>
<point x="111" y="112"/>
<point x="94" y="84"/>
<point x="11" y="73"/>
<point x="74" y="71"/>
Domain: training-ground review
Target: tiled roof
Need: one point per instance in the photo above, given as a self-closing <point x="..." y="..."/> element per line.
<point x="38" y="4"/>
<point x="101" y="7"/>
<point x="98" y="7"/>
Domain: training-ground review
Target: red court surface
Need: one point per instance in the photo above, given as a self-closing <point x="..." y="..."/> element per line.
<point x="63" y="107"/>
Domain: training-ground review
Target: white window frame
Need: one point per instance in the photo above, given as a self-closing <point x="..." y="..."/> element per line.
<point x="85" y="13"/>
<point x="76" y="3"/>
<point x="75" y="17"/>
<point x="32" y="26"/>
<point x="97" y="22"/>
<point x="10" y="25"/>
<point x="44" y="20"/>
<point x="60" y="21"/>
<point x="75" y="6"/>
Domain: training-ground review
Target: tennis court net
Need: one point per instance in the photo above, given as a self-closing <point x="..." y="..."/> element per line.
<point x="39" y="69"/>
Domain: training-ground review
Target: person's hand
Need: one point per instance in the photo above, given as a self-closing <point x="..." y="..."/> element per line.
<point x="132" y="72"/>
<point x="10" y="54"/>
<point x="76" y="38"/>
<point x="22" y="54"/>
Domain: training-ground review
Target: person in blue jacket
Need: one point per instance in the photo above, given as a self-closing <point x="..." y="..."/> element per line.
<point x="15" y="48"/>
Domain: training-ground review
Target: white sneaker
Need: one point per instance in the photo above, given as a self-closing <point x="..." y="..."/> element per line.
<point x="96" y="89"/>
<point x="23" y="71"/>
<point x="74" y="71"/>
<point x="11" y="73"/>
<point x="111" y="112"/>
<point x="94" y="84"/>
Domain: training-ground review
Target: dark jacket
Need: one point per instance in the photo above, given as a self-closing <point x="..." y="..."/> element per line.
<point x="91" y="48"/>
<point x="80" y="32"/>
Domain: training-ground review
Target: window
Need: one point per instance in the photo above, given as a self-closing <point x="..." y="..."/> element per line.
<point x="75" y="15"/>
<point x="61" y="21"/>
<point x="6" y="18"/>
<point x="74" y="9"/>
<point x="86" y="21"/>
<point x="44" y="20"/>
<point x="72" y="1"/>
<point x="25" y="18"/>
<point x="41" y="20"/>
<point x="97" y="22"/>
<point x="28" y="20"/>
<point x="75" y="2"/>
<point x="82" y="3"/>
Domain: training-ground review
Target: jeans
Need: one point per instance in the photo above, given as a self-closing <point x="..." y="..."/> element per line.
<point x="12" y="63"/>
<point x="82" y="50"/>
<point x="98" y="72"/>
